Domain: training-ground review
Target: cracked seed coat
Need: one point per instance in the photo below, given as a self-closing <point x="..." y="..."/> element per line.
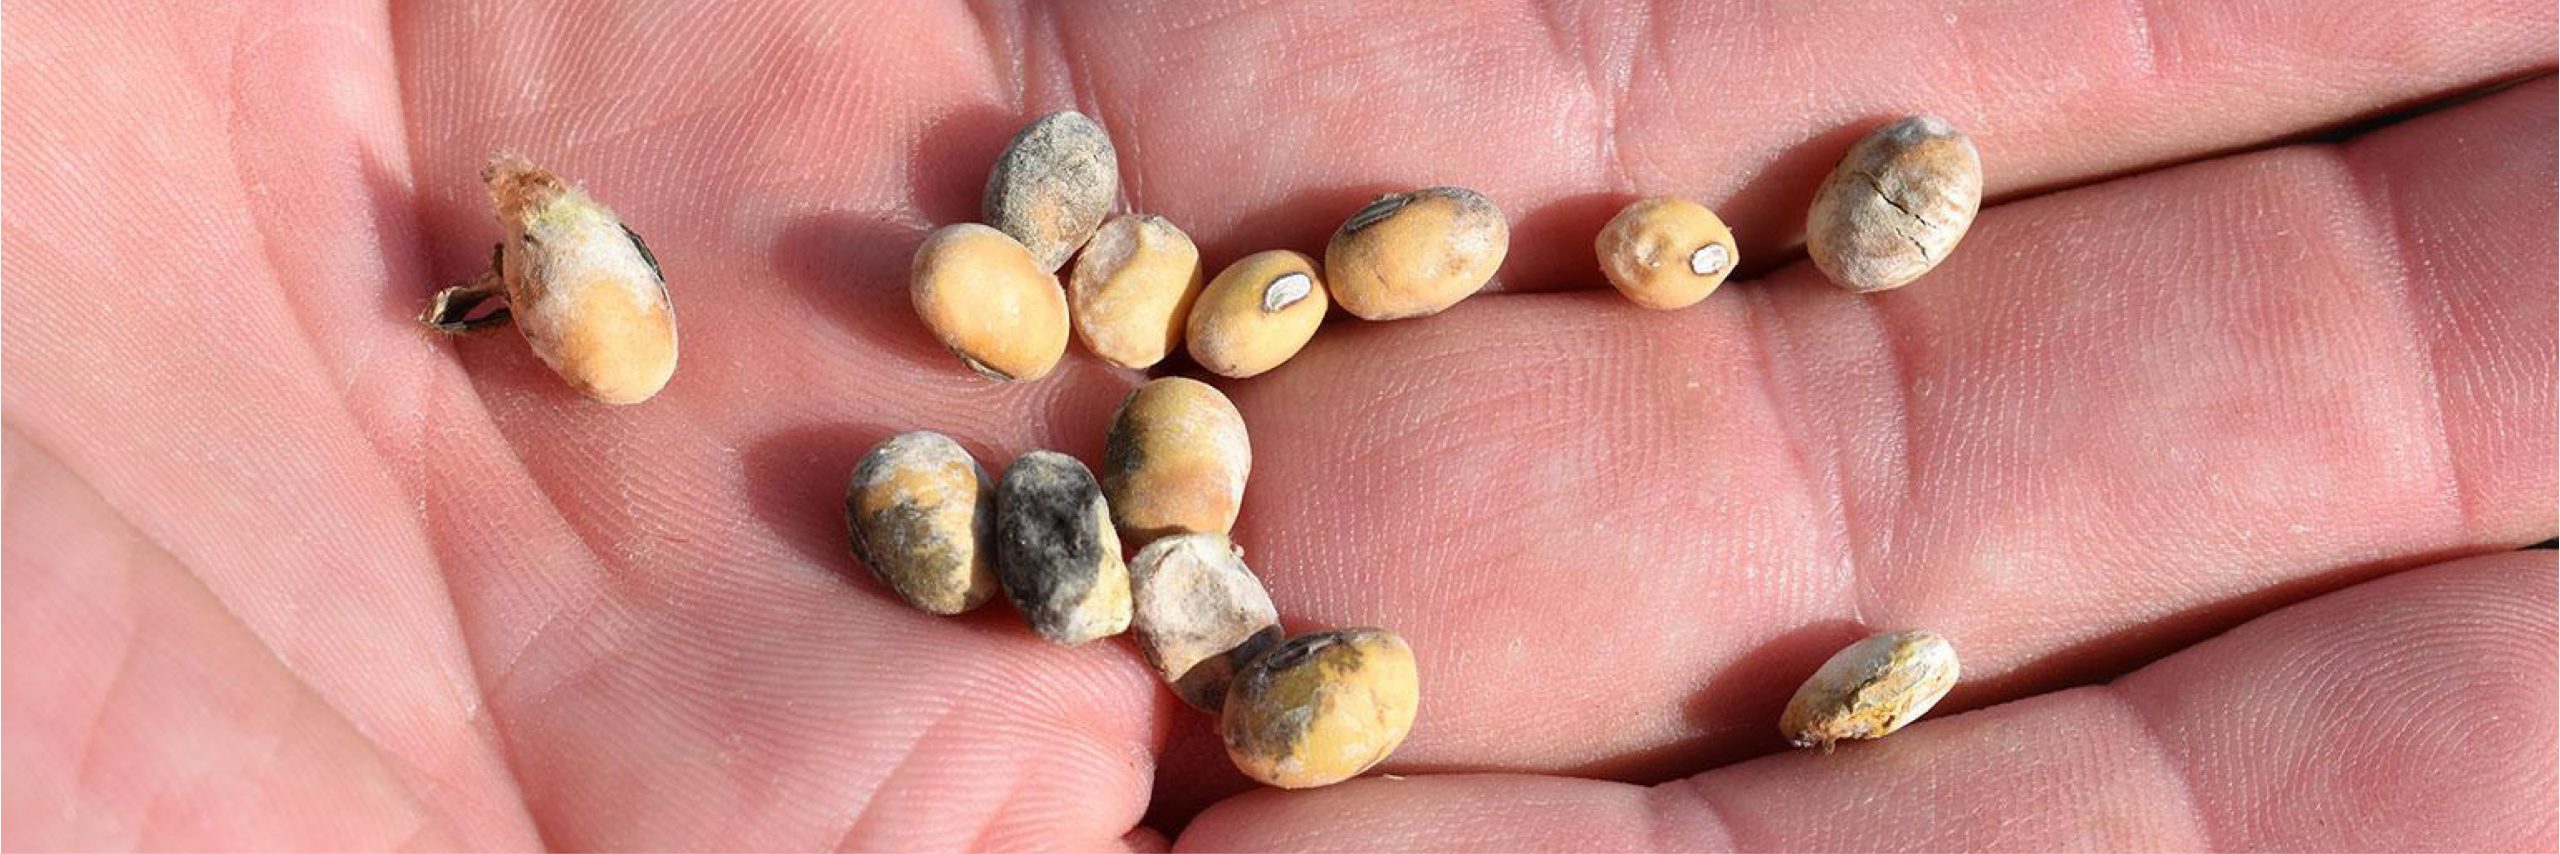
<point x="1201" y="614"/>
<point x="1896" y="205"/>
<point x="1872" y="688"/>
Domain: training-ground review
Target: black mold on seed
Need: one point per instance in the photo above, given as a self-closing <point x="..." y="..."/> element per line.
<point x="1056" y="554"/>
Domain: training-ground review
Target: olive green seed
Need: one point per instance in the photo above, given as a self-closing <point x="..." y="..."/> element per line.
<point x="922" y="514"/>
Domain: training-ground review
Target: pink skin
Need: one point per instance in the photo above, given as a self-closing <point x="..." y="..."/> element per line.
<point x="282" y="570"/>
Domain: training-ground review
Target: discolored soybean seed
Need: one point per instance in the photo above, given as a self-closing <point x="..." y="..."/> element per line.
<point x="1176" y="461"/>
<point x="1321" y="708"/>
<point x="1870" y="689"/>
<point x="1895" y="206"/>
<point x="1056" y="554"/>
<point x="1132" y="289"/>
<point x="982" y="295"/>
<point x="1415" y="254"/>
<point x="1053" y="185"/>
<point x="1201" y="614"/>
<point x="1666" y="252"/>
<point x="579" y="285"/>
<point x="1257" y="313"/>
<point x="923" y="515"/>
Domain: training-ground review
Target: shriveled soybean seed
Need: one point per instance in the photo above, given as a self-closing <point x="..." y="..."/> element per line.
<point x="1870" y="689"/>
<point x="1415" y="254"/>
<point x="1053" y="185"/>
<point x="1132" y="289"/>
<point x="1321" y="708"/>
<point x="1176" y="461"/>
<point x="579" y="284"/>
<point x="1055" y="552"/>
<point x="1201" y="614"/>
<point x="1257" y="313"/>
<point x="982" y="295"/>
<point x="1895" y="206"/>
<point x="923" y="517"/>
<point x="1666" y="252"/>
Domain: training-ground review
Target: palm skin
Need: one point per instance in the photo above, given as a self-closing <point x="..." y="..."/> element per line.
<point x="282" y="570"/>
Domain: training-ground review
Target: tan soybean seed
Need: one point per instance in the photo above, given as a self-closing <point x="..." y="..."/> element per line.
<point x="1132" y="289"/>
<point x="1870" y="689"/>
<point x="1256" y="314"/>
<point x="1056" y="555"/>
<point x="1201" y="614"/>
<point x="1415" y="254"/>
<point x="1053" y="185"/>
<point x="578" y="283"/>
<point x="1895" y="206"/>
<point x="1321" y="708"/>
<point x="1666" y="252"/>
<point x="922" y="514"/>
<point x="982" y="295"/>
<point x="1175" y="461"/>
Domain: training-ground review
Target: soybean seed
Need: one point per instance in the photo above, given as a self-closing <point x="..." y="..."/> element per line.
<point x="1896" y="205"/>
<point x="1417" y="253"/>
<point x="1666" y="252"/>
<point x="1176" y="461"/>
<point x="923" y="515"/>
<point x="1201" y="614"/>
<point x="1056" y="554"/>
<point x="1053" y="185"/>
<point x="989" y="303"/>
<point x="1132" y="289"/>
<point x="1870" y="689"/>
<point x="1321" y="708"/>
<point x="1257" y="313"/>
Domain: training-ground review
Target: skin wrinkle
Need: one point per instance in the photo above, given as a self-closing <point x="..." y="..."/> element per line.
<point x="2377" y="214"/>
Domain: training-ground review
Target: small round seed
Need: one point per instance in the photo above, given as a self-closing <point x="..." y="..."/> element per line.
<point x="1257" y="313"/>
<point x="1666" y="252"/>
<point x="982" y="295"/>
<point x="1056" y="554"/>
<point x="1176" y="461"/>
<point x="1201" y="614"/>
<point x="1053" y="185"/>
<point x="1132" y="289"/>
<point x="923" y="515"/>
<point x="1895" y="206"/>
<point x="1415" y="254"/>
<point x="1870" y="689"/>
<point x="1321" y="708"/>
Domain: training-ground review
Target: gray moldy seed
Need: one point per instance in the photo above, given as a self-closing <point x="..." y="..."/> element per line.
<point x="1053" y="185"/>
<point x="1201" y="614"/>
<point x="1056" y="553"/>
<point x="1870" y="689"/>
<point x="922" y="515"/>
<point x="1896" y="205"/>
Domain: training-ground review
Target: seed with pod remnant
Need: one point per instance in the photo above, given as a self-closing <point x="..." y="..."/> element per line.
<point x="1321" y="708"/>
<point x="1666" y="252"/>
<point x="1176" y="461"/>
<point x="1415" y="254"/>
<point x="982" y="295"/>
<point x="1132" y="288"/>
<point x="1201" y="614"/>
<point x="1056" y="554"/>
<point x="1257" y="313"/>
<point x="923" y="519"/>
<point x="1895" y="206"/>
<point x="1870" y="689"/>
<point x="1053" y="185"/>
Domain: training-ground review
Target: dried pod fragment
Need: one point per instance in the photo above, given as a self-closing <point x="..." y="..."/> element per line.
<point x="1132" y="288"/>
<point x="1176" y="461"/>
<point x="1257" y="313"/>
<point x="1201" y="614"/>
<point x="1053" y="185"/>
<point x="1415" y="254"/>
<point x="579" y="284"/>
<point x="1666" y="252"/>
<point x="1055" y="552"/>
<point x="1895" y="206"/>
<point x="1321" y="708"/>
<point x="982" y="295"/>
<point x="923" y="516"/>
<point x="1874" y="687"/>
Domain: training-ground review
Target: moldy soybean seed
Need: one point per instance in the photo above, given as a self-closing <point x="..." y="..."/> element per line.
<point x="1176" y="461"/>
<point x="1321" y="708"/>
<point x="1870" y="689"/>
<point x="1132" y="289"/>
<point x="984" y="297"/>
<point x="1201" y="614"/>
<point x="1055" y="552"/>
<point x="1053" y="185"/>
<point x="1895" y="206"/>
<point x="1666" y="252"/>
<point x="1417" y="253"/>
<point x="923" y="519"/>
<point x="1257" y="313"/>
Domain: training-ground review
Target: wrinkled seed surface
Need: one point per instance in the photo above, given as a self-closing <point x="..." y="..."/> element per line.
<point x="1321" y="708"/>
<point x="1870" y="689"/>
<point x="1895" y="206"/>
<point x="1666" y="252"/>
<point x="1132" y="289"/>
<point x="1053" y="185"/>
<point x="1176" y="461"/>
<point x="1415" y="254"/>
<point x="1056" y="554"/>
<point x="922" y="515"/>
<point x="1257" y="313"/>
<point x="1201" y="614"/>
<point x="982" y="296"/>
<point x="581" y="287"/>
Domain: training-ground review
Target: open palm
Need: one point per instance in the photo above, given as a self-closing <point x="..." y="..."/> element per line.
<point x="283" y="570"/>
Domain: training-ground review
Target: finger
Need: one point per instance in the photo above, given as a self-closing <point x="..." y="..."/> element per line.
<point x="2409" y="712"/>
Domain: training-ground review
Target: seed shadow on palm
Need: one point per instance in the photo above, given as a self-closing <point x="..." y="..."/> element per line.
<point x="1303" y="222"/>
<point x="1551" y="244"/>
<point x="1783" y="191"/>
<point x="795" y="484"/>
<point x="851" y="269"/>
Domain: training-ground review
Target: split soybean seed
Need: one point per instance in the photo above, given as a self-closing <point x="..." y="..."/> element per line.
<point x="1896" y="205"/>
<point x="922" y="516"/>
<point x="1176" y="461"/>
<point x="1321" y="708"/>
<point x="1053" y="185"/>
<point x="1201" y="614"/>
<point x="1415" y="254"/>
<point x="1870" y="689"/>
<point x="1256" y="314"/>
<point x="1056" y="554"/>
<point x="989" y="302"/>
<point x="1666" y="252"/>
<point x="1132" y="289"/>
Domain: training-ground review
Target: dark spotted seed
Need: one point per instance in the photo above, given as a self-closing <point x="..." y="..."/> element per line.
<point x="1056" y="554"/>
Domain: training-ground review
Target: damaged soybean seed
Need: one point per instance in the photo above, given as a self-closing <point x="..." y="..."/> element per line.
<point x="1175" y="461"/>
<point x="1895" y="206"/>
<point x="1201" y="614"/>
<point x="989" y="303"/>
<point x="1256" y="314"/>
<point x="1321" y="708"/>
<point x="922" y="514"/>
<point x="1132" y="289"/>
<point x="1415" y="254"/>
<point x="1870" y="689"/>
<point x="1053" y="185"/>
<point x="580" y="286"/>
<point x="1056" y="554"/>
<point x="1666" y="252"/>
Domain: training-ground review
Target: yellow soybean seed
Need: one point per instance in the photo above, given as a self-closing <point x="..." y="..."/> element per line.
<point x="1417" y="253"/>
<point x="1321" y="708"/>
<point x="1257" y="313"/>
<point x="1870" y="689"/>
<point x="989" y="303"/>
<point x="922" y="514"/>
<point x="1201" y="614"/>
<point x="1175" y="461"/>
<point x="1132" y="289"/>
<point x="1056" y="555"/>
<point x="1895" y="206"/>
<point x="578" y="283"/>
<point x="1666" y="252"/>
<point x="1053" y="185"/>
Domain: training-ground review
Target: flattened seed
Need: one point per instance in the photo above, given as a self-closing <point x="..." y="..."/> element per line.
<point x="1176" y="461"/>
<point x="1874" y="687"/>
<point x="1201" y="614"/>
<point x="1132" y="289"/>
<point x="1053" y="185"/>
<point x="922" y="515"/>
<point x="1254" y="315"/>
<point x="1665" y="252"/>
<point x="1895" y="206"/>
<point x="1056" y="554"/>
<point x="1415" y="254"/>
<point x="1321" y="708"/>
